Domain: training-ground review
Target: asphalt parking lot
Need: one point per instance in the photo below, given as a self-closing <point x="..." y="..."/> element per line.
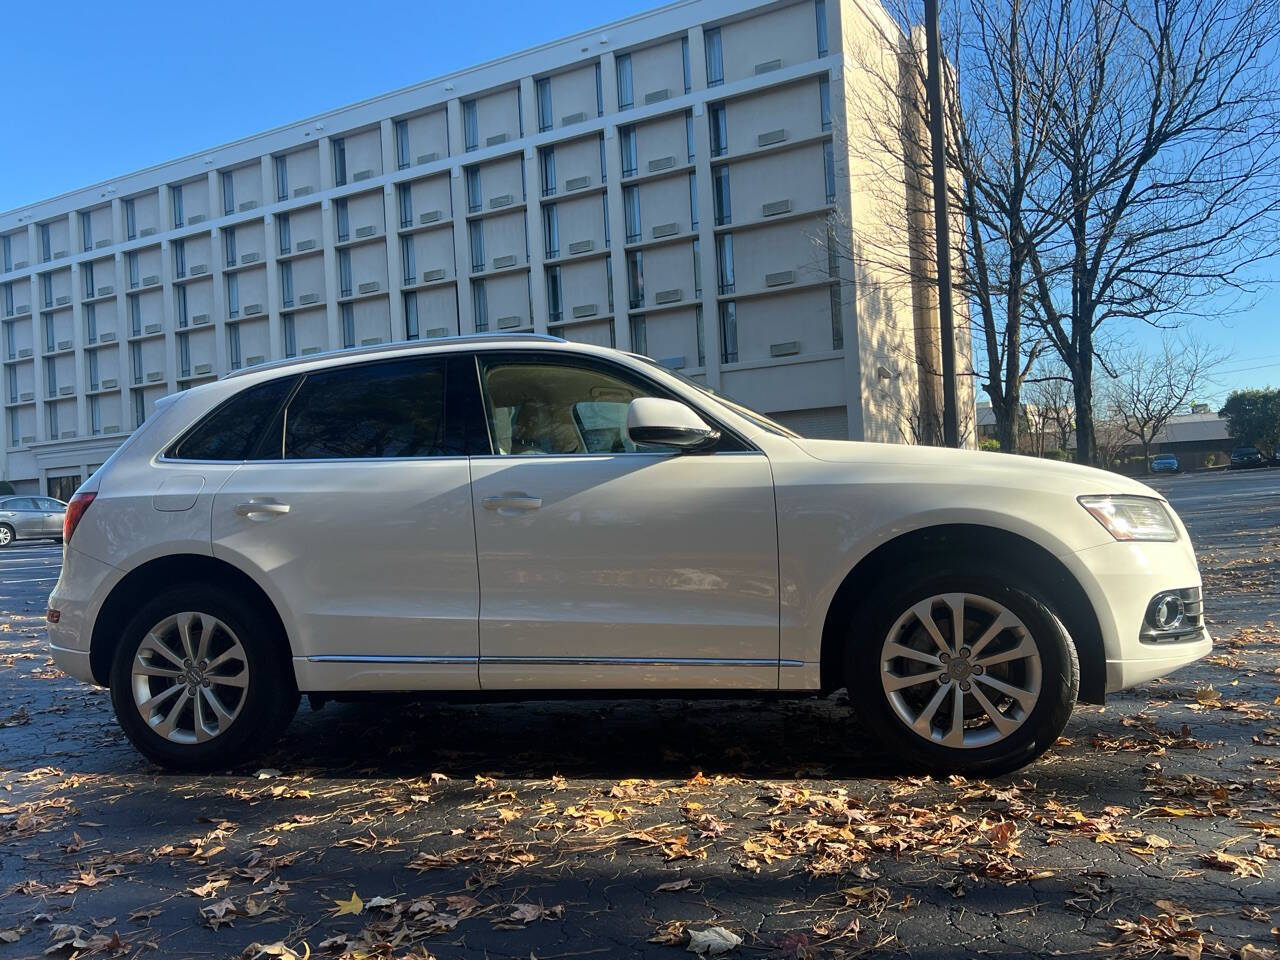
<point x="633" y="828"/>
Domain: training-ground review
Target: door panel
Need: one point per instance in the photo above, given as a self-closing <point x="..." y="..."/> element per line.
<point x="374" y="560"/>
<point x="627" y="570"/>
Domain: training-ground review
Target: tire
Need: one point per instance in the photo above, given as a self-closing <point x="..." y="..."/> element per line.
<point x="7" y="535"/>
<point x="1043" y="675"/>
<point x="253" y="684"/>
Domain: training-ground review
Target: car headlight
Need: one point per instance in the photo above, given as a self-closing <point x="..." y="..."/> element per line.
<point x="1132" y="518"/>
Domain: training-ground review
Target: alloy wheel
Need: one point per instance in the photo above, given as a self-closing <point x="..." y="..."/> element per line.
<point x="190" y="677"/>
<point x="960" y="670"/>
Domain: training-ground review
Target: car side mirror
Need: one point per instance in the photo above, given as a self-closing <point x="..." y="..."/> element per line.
<point x="668" y="423"/>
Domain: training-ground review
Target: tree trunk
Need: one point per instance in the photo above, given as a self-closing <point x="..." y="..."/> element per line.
<point x="1086" y="448"/>
<point x="1146" y="455"/>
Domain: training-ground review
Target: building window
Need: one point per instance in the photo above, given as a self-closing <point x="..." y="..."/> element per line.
<point x="11" y="377"/>
<point x="91" y="323"/>
<point x="86" y="279"/>
<point x="341" y="220"/>
<point x="625" y="95"/>
<point x="95" y="415"/>
<point x="46" y="286"/>
<point x="14" y="428"/>
<point x="9" y="309"/>
<point x="411" y="316"/>
<point x="139" y="408"/>
<point x="715" y="57"/>
<point x="604" y="167"/>
<point x="228" y="193"/>
<point x="547" y="158"/>
<point x="290" y="330"/>
<point x="180" y="303"/>
<point x="408" y="260"/>
<point x="233" y="295"/>
<point x="91" y="367"/>
<point x="284" y="233"/>
<point x="86" y="231"/>
<point x="228" y="248"/>
<point x="475" y="198"/>
<point x="631" y="211"/>
<point x="134" y="269"/>
<point x="688" y="135"/>
<point x="404" y="199"/>
<point x="135" y="317"/>
<point x="480" y="305"/>
<point x="693" y="200"/>
<point x="130" y="221"/>
<point x="475" y="234"/>
<point x="344" y="273"/>
<point x="635" y="279"/>
<point x="728" y="332"/>
<point x="551" y="231"/>
<point x="175" y="204"/>
<point x="604" y="203"/>
<point x="53" y="421"/>
<point x="824" y="102"/>
<point x="135" y="361"/>
<point x="179" y="259"/>
<point x="720" y="195"/>
<point x="282" y="178"/>
<point x="46" y="243"/>
<point x="339" y="147"/>
<point x="724" y="263"/>
<point x="627" y="144"/>
<point x="555" y="299"/>
<point x="608" y="280"/>
<point x="184" y="355"/>
<point x="719" y="129"/>
<point x="820" y="12"/>
<point x="46" y="320"/>
<point x="286" y="284"/>
<point x="10" y="340"/>
<point x="233" y="345"/>
<point x="402" y="144"/>
<point x="688" y="68"/>
<point x="599" y="92"/>
<point x="51" y="376"/>
<point x="470" y="125"/>
<point x="544" y="105"/>
<point x="639" y="334"/>
<point x="697" y="267"/>
<point x="837" y="329"/>
<point x="697" y="329"/>
<point x="829" y="169"/>
<point x="6" y="242"/>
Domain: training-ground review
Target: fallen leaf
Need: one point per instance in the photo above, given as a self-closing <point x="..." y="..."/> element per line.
<point x="713" y="941"/>
<point x="352" y="907"/>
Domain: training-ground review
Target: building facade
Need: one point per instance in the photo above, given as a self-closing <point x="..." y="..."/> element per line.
<point x="664" y="184"/>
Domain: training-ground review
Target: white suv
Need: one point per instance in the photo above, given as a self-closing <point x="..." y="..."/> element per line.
<point x="524" y="514"/>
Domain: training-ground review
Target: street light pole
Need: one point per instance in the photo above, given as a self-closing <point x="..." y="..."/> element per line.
<point x="941" y="222"/>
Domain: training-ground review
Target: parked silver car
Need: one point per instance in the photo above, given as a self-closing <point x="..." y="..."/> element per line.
<point x="31" y="518"/>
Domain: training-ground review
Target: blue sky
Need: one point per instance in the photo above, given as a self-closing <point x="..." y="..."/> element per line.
<point x="115" y="89"/>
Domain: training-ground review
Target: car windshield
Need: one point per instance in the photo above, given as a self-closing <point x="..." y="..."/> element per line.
<point x="759" y="419"/>
<point x="1246" y="451"/>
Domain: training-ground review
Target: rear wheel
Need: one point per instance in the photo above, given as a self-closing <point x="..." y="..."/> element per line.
<point x="199" y="679"/>
<point x="962" y="672"/>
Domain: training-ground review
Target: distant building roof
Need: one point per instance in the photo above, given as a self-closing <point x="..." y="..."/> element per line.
<point x="1194" y="428"/>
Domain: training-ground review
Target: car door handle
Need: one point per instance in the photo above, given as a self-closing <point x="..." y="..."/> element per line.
<point x="261" y="509"/>
<point x="512" y="501"/>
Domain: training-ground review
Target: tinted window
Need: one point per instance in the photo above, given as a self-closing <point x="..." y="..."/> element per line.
<point x="232" y="431"/>
<point x="19" y="503"/>
<point x="373" y="411"/>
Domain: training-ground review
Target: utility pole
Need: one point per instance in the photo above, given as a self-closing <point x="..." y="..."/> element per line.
<point x="941" y="222"/>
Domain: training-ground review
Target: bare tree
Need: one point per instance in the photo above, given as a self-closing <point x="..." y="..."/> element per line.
<point x="1165" y="139"/>
<point x="1152" y="386"/>
<point x="1048" y="389"/>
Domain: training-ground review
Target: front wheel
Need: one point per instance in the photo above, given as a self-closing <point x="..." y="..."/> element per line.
<point x="6" y="535"/>
<point x="961" y="673"/>
<point x="199" y="680"/>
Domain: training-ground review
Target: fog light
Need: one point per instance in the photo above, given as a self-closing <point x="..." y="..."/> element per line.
<point x="1166" y="612"/>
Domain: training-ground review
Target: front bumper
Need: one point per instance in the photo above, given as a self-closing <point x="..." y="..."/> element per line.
<point x="1120" y="580"/>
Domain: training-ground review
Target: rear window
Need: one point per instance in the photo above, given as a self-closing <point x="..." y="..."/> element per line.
<point x="393" y="409"/>
<point x="232" y="430"/>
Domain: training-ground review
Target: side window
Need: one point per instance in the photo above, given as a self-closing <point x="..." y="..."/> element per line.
<point x="556" y="408"/>
<point x="232" y="430"/>
<point x="22" y="503"/>
<point x="47" y="503"/>
<point x="370" y="411"/>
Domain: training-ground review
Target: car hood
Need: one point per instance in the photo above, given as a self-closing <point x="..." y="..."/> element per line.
<point x="973" y="466"/>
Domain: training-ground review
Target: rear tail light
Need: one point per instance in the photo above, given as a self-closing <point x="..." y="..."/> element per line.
<point x="75" y="510"/>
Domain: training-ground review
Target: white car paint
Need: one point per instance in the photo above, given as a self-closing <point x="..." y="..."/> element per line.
<point x="636" y="570"/>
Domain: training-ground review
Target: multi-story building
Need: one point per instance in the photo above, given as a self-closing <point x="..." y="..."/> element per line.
<point x="663" y="184"/>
